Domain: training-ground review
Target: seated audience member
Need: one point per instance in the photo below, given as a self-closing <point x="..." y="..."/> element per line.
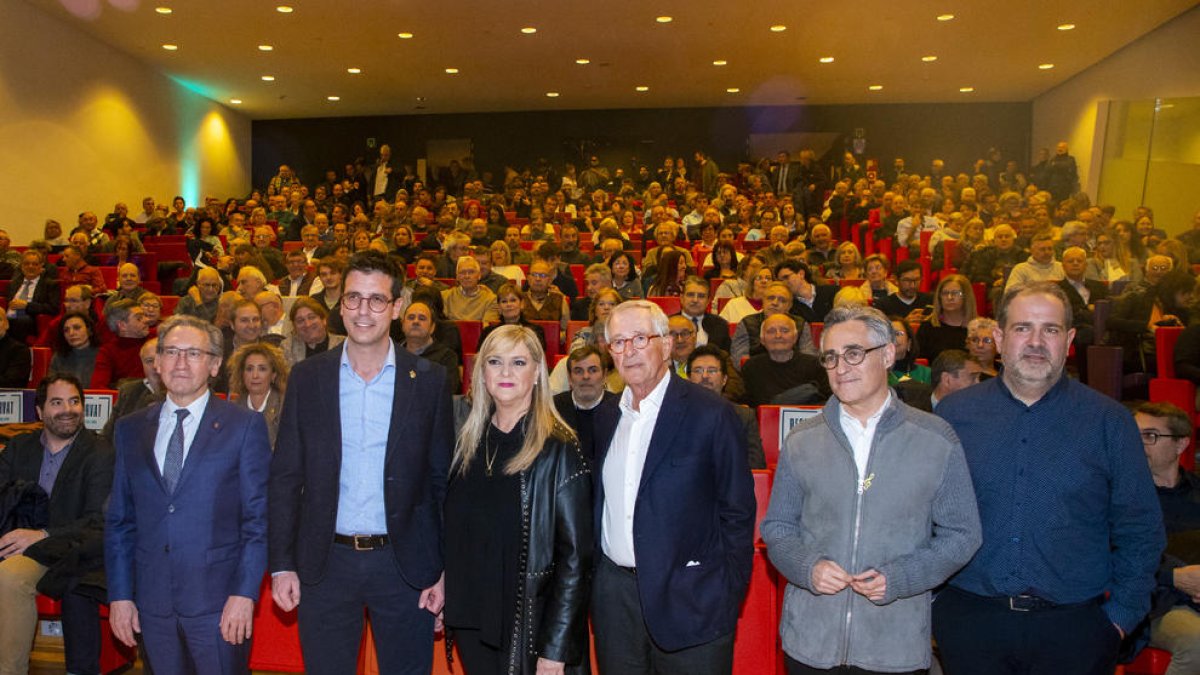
<point x="595" y="277"/>
<point x="275" y="326"/>
<point x="251" y="281"/>
<point x="908" y="301"/>
<point x="683" y="341"/>
<point x="562" y="279"/>
<point x="625" y="276"/>
<point x="264" y="244"/>
<point x="502" y="263"/>
<point x="665" y="236"/>
<point x="76" y="346"/>
<point x="710" y="328"/>
<point x="952" y="370"/>
<point x="468" y="301"/>
<point x="31" y="294"/>
<point x="820" y="247"/>
<point x="310" y="334"/>
<point x="76" y="270"/>
<point x="724" y="261"/>
<point x="587" y="370"/>
<point x="1108" y="261"/>
<point x="152" y="308"/>
<point x="981" y="345"/>
<point x="1165" y="301"/>
<point x="1174" y="620"/>
<point x="1041" y="265"/>
<point x="776" y="300"/>
<point x="1083" y="294"/>
<point x="120" y="358"/>
<point x="708" y="366"/>
<point x="300" y="280"/>
<point x="457" y="247"/>
<point x="847" y="265"/>
<point x="417" y="325"/>
<point x="331" y="271"/>
<point x="201" y="300"/>
<point x="512" y="238"/>
<point x="743" y="283"/>
<point x="129" y="285"/>
<point x="545" y="302"/>
<point x="74" y="469"/>
<point x="752" y="300"/>
<point x="568" y="241"/>
<point x="257" y="374"/>
<point x="783" y="374"/>
<point x="810" y="301"/>
<point x="876" y="272"/>
<point x="511" y="301"/>
<point x="133" y="395"/>
<point x="16" y="361"/>
<point x="991" y="264"/>
<point x="669" y="275"/>
<point x="905" y="366"/>
<point x="946" y="327"/>
<point x="487" y="276"/>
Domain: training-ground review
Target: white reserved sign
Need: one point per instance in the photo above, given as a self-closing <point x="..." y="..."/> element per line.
<point x="96" y="410"/>
<point x="12" y="407"/>
<point x="790" y="417"/>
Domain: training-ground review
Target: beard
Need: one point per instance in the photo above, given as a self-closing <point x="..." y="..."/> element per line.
<point x="64" y="425"/>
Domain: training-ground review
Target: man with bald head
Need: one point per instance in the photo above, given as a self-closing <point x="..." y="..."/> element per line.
<point x="129" y="285"/>
<point x="201" y="300"/>
<point x="783" y="370"/>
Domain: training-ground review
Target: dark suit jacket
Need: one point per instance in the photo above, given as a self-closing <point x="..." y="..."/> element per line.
<point x="695" y="504"/>
<point x="185" y="553"/>
<point x="822" y="304"/>
<point x="718" y="331"/>
<point x="132" y="396"/>
<point x="46" y="297"/>
<point x="306" y="469"/>
<point x="15" y="363"/>
<point x="1098" y="290"/>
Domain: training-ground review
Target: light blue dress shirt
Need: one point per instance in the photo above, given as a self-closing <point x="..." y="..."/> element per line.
<point x="366" y="414"/>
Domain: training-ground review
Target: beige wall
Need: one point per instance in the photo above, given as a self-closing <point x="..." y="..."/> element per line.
<point x="1162" y="64"/>
<point x="83" y="125"/>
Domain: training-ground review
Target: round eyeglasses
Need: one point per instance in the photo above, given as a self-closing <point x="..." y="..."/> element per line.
<point x="852" y="355"/>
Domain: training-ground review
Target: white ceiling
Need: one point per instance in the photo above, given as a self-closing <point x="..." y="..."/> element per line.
<point x="995" y="47"/>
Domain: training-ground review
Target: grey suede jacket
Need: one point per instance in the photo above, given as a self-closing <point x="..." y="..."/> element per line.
<point x="915" y="521"/>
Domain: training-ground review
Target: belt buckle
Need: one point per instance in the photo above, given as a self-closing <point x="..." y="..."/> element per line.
<point x="358" y="546"/>
<point x="1014" y="607"/>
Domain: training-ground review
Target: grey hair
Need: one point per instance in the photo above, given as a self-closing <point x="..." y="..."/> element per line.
<point x="658" y="319"/>
<point x="877" y="323"/>
<point x="216" y="341"/>
<point x="981" y="323"/>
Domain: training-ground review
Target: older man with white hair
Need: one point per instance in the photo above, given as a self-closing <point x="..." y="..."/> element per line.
<point x="469" y="301"/>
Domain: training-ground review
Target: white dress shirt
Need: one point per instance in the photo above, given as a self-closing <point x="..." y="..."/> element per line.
<point x="861" y="437"/>
<point x="622" y="473"/>
<point x="166" y="427"/>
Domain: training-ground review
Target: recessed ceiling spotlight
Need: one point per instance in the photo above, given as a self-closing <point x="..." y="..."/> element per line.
<point x="235" y="101"/>
<point x="170" y="47"/>
<point x="404" y="36"/>
<point x="583" y="62"/>
<point x="529" y="30"/>
<point x="966" y="90"/>
<point x="826" y="59"/>
<point x="720" y="62"/>
<point x="1045" y="66"/>
<point x="875" y="87"/>
<point x="732" y="90"/>
<point x="945" y="17"/>
<point x="268" y="78"/>
<point x="452" y="71"/>
<point x="284" y="9"/>
<point x="163" y="10"/>
<point x="265" y="48"/>
<point x="333" y="98"/>
<point x="778" y="28"/>
<point x="929" y="59"/>
<point x="664" y="19"/>
<point x="1066" y="26"/>
<point x="552" y="94"/>
<point x="642" y="87"/>
<point x="354" y="71"/>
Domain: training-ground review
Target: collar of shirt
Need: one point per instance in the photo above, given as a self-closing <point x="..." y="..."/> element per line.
<point x="389" y="362"/>
<point x="861" y="436"/>
<point x="195" y="410"/>
<point x="653" y="399"/>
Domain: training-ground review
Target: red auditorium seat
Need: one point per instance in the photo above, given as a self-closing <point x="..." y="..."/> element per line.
<point x="670" y="304"/>
<point x="762" y="497"/>
<point x="573" y="327"/>
<point x="41" y="365"/>
<point x="276" y="643"/>
<point x="114" y="656"/>
<point x="469" y="332"/>
<point x="770" y="418"/>
<point x="468" y="365"/>
<point x="1150" y="661"/>
<point x="553" y="331"/>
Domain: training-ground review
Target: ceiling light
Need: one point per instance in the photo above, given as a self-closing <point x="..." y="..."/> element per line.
<point x="354" y="71"/>
<point x="929" y="59"/>
<point x="1066" y="26"/>
<point x="265" y="48"/>
<point x="778" y="28"/>
<point x="333" y="98"/>
<point x="945" y="17"/>
<point x="552" y="94"/>
<point x="284" y="9"/>
<point x="1045" y="66"/>
<point x="732" y="90"/>
<point x="966" y="90"/>
<point x="268" y="78"/>
<point x="720" y="62"/>
<point x="452" y="71"/>
<point x="826" y="59"/>
<point x="583" y="62"/>
<point x="875" y="87"/>
<point x="529" y="30"/>
<point x="235" y="101"/>
<point x="163" y="10"/>
<point x="170" y="47"/>
<point x="642" y="88"/>
<point x="664" y="19"/>
<point x="404" y="36"/>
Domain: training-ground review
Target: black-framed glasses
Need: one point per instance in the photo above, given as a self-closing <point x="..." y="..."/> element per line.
<point x="980" y="340"/>
<point x="190" y="354"/>
<point x="376" y="303"/>
<point x="638" y="342"/>
<point x="1151" y="437"/>
<point x="853" y="356"/>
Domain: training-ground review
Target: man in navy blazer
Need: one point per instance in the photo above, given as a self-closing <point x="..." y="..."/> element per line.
<point x="357" y="484"/>
<point x="674" y="512"/>
<point x="186" y="531"/>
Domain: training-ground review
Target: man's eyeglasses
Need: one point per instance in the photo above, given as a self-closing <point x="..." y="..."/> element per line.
<point x="638" y="342"/>
<point x="376" y="303"/>
<point x="1151" y="437"/>
<point x="190" y="354"/>
<point x="978" y="340"/>
<point x="852" y="355"/>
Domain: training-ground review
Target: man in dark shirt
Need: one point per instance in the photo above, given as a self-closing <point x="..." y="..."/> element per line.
<point x="587" y="373"/>
<point x="908" y="303"/>
<point x="810" y="301"/>
<point x="1072" y="531"/>
<point x="783" y="369"/>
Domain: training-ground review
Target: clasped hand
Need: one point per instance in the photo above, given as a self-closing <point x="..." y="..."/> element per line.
<point x="829" y="578"/>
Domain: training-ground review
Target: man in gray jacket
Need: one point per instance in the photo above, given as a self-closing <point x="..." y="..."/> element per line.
<point x="872" y="507"/>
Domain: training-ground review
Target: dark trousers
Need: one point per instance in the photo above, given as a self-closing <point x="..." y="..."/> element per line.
<point x="794" y="667"/>
<point x="623" y="643"/>
<point x="478" y="658"/>
<point x="192" y="646"/>
<point x="331" y="616"/>
<point x="982" y="636"/>
<point x="81" y="633"/>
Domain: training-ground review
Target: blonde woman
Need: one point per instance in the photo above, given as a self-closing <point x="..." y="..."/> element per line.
<point x="258" y="376"/>
<point x="518" y="515"/>
<point x="946" y="327"/>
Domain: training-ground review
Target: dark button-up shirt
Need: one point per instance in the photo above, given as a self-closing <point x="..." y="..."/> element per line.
<point x="52" y="463"/>
<point x="1068" y="507"/>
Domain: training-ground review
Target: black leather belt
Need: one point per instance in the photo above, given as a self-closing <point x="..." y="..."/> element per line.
<point x="362" y="542"/>
<point x="1033" y="603"/>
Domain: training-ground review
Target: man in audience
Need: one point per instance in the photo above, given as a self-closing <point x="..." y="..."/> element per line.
<point x="953" y="369"/>
<point x="783" y="373"/>
<point x="908" y="230"/>
<point x="120" y="358"/>
<point x="418" y="326"/>
<point x="908" y="302"/>
<point x="1175" y="609"/>
<point x="991" y="264"/>
<point x="9" y="258"/>
<point x="487" y="277"/>
<point x="129" y="285"/>
<point x="1041" y="265"/>
<point x="544" y="302"/>
<point x="134" y="395"/>
<point x="810" y="301"/>
<point x="683" y="342"/>
<point x="457" y="246"/>
<point x="587" y="371"/>
<point x="549" y="252"/>
<point x="862" y="568"/>
<point x="310" y="331"/>
<point x="299" y="280"/>
<point x="776" y="300"/>
<point x="569" y="244"/>
<point x="1054" y="588"/>
<point x="73" y="468"/>
<point x="709" y="367"/>
<point x="710" y="328"/>
<point x="275" y="326"/>
<point x="596" y="277"/>
<point x="202" y="302"/>
<point x="1083" y="294"/>
<point x="31" y="294"/>
<point x="820" y="246"/>
<point x="468" y="301"/>
<point x="264" y="238"/>
<point x="78" y="271"/>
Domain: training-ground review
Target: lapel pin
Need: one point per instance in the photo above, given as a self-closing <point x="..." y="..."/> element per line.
<point x="412" y="374"/>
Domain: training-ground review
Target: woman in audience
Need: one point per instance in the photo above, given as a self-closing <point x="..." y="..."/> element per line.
<point x="1137" y="251"/>
<point x="502" y="262"/>
<point x="1106" y="263"/>
<point x="497" y="223"/>
<point x="877" y="277"/>
<point x="404" y="246"/>
<point x="981" y="344"/>
<point x="750" y="302"/>
<point x="666" y="283"/>
<point x="602" y="305"/>
<point x="518" y="520"/>
<point x="203" y="231"/>
<point x="511" y="301"/>
<point x="738" y="286"/>
<point x="75" y="346"/>
<point x="849" y="264"/>
<point x="946" y="327"/>
<point x="258" y="380"/>
<point x="624" y="276"/>
<point x="723" y="262"/>
<point x="258" y="218"/>
<point x="1176" y="251"/>
<point x="793" y="221"/>
<point x="905" y="367"/>
<point x="361" y="241"/>
<point x="627" y="225"/>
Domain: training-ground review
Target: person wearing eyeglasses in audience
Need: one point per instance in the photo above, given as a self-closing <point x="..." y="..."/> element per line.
<point x="981" y="345"/>
<point x="783" y="373"/>
<point x="357" y="484"/>
<point x="946" y="326"/>
<point x="871" y="509"/>
<point x="905" y="366"/>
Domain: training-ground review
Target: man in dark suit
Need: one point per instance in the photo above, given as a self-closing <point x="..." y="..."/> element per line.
<point x="382" y="178"/>
<point x="669" y="586"/>
<point x="74" y="468"/>
<point x="133" y="395"/>
<point x="587" y="373"/>
<point x="186" y="529"/>
<point x="15" y="359"/>
<point x="785" y="175"/>
<point x="357" y="485"/>
<point x="1083" y="294"/>
<point x="810" y="301"/>
<point x="709" y="367"/>
<point x="31" y="294"/>
<point x="710" y="328"/>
